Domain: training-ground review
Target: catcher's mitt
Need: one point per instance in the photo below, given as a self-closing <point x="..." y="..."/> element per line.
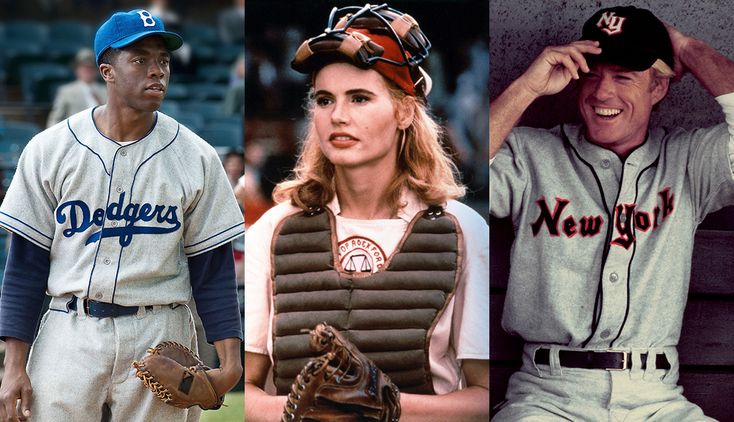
<point x="177" y="376"/>
<point x="342" y="384"/>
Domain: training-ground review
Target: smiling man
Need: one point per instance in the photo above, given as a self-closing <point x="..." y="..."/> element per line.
<point x="110" y="213"/>
<point x="604" y="214"/>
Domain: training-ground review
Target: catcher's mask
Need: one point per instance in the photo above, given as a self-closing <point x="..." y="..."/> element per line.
<point x="371" y="37"/>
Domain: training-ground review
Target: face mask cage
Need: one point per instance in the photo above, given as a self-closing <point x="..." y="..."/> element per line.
<point x="359" y="47"/>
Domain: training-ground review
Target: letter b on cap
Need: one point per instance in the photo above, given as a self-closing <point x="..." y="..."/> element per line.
<point x="146" y="17"/>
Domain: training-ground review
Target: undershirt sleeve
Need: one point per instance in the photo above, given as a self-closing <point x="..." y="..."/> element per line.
<point x="215" y="292"/>
<point x="23" y="289"/>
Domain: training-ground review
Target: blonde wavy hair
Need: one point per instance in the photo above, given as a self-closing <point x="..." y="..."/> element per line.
<point x="422" y="164"/>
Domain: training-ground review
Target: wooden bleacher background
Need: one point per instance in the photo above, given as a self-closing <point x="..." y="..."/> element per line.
<point x="707" y="342"/>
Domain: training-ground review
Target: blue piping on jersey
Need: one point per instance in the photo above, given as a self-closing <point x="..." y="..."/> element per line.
<point x="25" y="235"/>
<point x="155" y="122"/>
<point x="104" y="220"/>
<point x="207" y="249"/>
<point x="21" y="222"/>
<point x="132" y="186"/>
<point x="178" y="129"/>
<point x="88" y="147"/>
<point x="215" y="235"/>
<point x="126" y="233"/>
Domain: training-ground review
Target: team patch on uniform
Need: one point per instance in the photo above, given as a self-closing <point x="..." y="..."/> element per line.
<point x="360" y="254"/>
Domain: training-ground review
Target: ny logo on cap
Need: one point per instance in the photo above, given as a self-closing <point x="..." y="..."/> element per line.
<point x="610" y="23"/>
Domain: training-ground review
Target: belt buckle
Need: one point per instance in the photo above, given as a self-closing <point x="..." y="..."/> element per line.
<point x="85" y="303"/>
<point x="625" y="362"/>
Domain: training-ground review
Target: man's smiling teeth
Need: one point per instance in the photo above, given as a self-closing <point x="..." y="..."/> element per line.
<point x="607" y="112"/>
<point x="342" y="138"/>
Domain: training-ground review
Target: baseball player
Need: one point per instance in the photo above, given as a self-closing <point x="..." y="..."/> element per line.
<point x="605" y="213"/>
<point x="368" y="236"/>
<point x="120" y="214"/>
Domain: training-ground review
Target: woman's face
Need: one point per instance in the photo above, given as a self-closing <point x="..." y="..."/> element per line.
<point x="355" y="118"/>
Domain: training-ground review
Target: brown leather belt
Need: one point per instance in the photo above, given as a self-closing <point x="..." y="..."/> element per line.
<point x="611" y="361"/>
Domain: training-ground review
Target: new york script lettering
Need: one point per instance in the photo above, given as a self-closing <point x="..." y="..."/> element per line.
<point x="81" y="218"/>
<point x="627" y="219"/>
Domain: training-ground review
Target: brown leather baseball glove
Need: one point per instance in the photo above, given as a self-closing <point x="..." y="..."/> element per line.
<point x="177" y="376"/>
<point x="342" y="384"/>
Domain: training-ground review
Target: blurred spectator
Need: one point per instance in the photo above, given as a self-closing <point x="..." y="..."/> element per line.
<point x="232" y="23"/>
<point x="234" y="99"/>
<point x="237" y="74"/>
<point x="468" y="120"/>
<point x="258" y="202"/>
<point x="439" y="95"/>
<point x="234" y="166"/>
<point x="160" y="9"/>
<point x="86" y="91"/>
<point x="239" y="191"/>
<point x="182" y="61"/>
<point x="262" y="97"/>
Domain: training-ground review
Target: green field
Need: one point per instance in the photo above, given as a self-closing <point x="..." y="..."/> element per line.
<point x="233" y="412"/>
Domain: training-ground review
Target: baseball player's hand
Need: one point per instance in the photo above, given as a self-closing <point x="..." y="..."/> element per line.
<point x="15" y="385"/>
<point x="224" y="379"/>
<point x="230" y="371"/>
<point x="679" y="41"/>
<point x="554" y="68"/>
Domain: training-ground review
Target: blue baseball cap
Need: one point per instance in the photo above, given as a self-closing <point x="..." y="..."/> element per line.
<point x="124" y="28"/>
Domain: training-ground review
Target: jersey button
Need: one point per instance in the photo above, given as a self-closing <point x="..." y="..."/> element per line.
<point x="605" y="163"/>
<point x="613" y="277"/>
<point x="98" y="295"/>
<point x="605" y="333"/>
<point x="107" y="261"/>
<point x="123" y="153"/>
<point x="118" y="189"/>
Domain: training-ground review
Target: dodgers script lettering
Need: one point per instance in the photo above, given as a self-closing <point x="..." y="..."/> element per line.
<point x="80" y="218"/>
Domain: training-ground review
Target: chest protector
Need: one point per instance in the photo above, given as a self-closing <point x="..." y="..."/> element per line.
<point x="389" y="315"/>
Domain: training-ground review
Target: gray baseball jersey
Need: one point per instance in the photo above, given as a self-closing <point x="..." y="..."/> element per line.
<point x="603" y="247"/>
<point x="121" y="219"/>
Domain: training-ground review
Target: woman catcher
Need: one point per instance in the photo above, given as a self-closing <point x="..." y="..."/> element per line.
<point x="368" y="236"/>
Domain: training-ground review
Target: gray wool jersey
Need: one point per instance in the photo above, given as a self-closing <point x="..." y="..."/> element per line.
<point x="603" y="247"/>
<point x="120" y="220"/>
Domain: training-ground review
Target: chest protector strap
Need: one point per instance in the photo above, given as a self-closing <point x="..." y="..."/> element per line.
<point x="389" y="315"/>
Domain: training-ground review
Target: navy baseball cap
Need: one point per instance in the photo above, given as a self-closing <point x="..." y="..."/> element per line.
<point x="630" y="37"/>
<point x="124" y="28"/>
